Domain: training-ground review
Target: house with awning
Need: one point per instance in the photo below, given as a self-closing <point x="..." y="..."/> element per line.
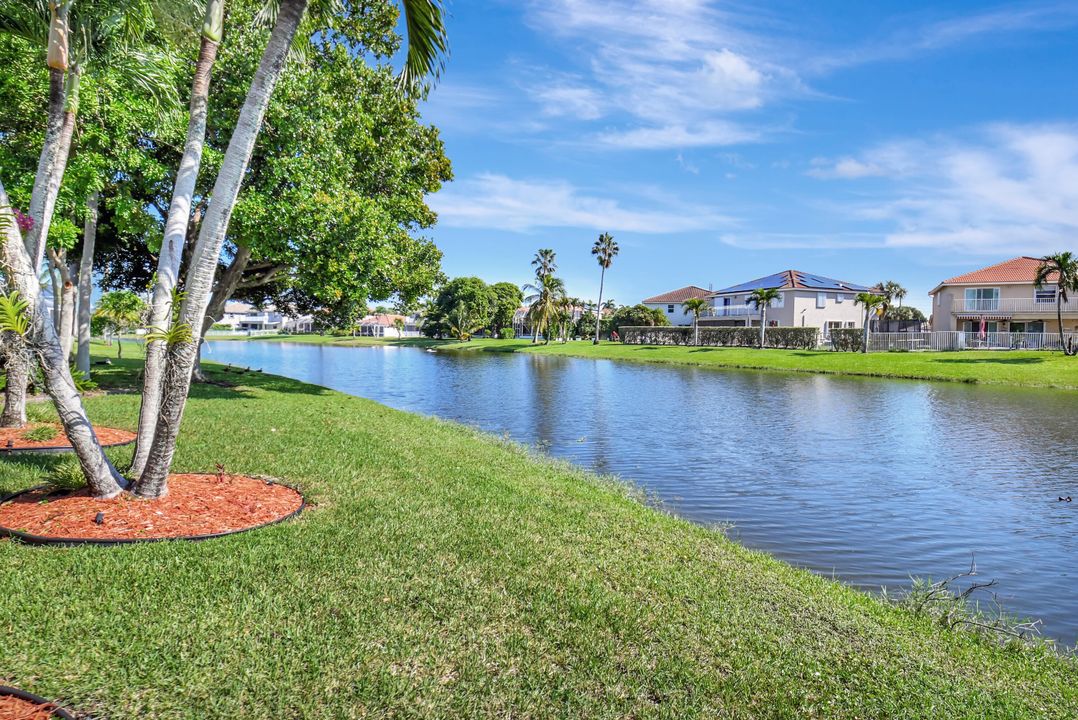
<point x="1001" y="298"/>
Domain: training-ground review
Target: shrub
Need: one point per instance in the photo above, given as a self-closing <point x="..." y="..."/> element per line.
<point x="220" y="326"/>
<point x="785" y="337"/>
<point x="800" y="338"/>
<point x="847" y="339"/>
<point x="507" y="333"/>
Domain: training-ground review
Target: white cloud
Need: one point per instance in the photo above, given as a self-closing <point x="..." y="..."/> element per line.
<point x="653" y="61"/>
<point x="846" y="168"/>
<point x="564" y="99"/>
<point x="683" y="136"/>
<point x="1003" y="188"/>
<point x="499" y="202"/>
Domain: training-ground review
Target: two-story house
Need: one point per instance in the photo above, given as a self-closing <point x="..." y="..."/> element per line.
<point x="805" y="300"/>
<point x="1001" y="298"/>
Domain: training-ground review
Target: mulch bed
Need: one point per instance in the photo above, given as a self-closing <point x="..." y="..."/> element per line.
<point x="197" y="506"/>
<point x="108" y="437"/>
<point x="27" y="707"/>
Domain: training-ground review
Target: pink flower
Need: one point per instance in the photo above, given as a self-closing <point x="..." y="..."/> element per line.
<point x="25" y="222"/>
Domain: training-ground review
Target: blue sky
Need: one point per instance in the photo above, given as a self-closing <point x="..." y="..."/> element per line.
<point x="722" y="141"/>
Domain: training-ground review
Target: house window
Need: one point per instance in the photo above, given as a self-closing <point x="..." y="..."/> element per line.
<point x="851" y="324"/>
<point x="821" y="300"/>
<point x="669" y="308"/>
<point x="981" y="299"/>
<point x="1044" y="295"/>
<point x="839" y="297"/>
<point x="780" y="301"/>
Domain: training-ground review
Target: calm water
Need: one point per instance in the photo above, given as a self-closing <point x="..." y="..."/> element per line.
<point x="870" y="481"/>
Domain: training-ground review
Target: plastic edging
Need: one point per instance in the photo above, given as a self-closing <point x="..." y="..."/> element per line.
<point x="57" y="711"/>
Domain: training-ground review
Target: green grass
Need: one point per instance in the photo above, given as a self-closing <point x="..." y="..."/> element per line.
<point x="445" y="573"/>
<point x="1027" y="368"/>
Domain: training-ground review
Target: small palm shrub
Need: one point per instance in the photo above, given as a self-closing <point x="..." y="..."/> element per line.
<point x="43" y="433"/>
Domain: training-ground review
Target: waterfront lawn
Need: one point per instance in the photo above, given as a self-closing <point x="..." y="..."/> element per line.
<point x="1028" y="368"/>
<point x="446" y="573"/>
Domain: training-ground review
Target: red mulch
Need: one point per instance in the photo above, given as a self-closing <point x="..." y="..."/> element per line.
<point x="196" y="504"/>
<point x="106" y="436"/>
<point x="13" y="708"/>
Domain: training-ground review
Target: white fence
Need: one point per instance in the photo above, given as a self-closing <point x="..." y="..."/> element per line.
<point x="957" y="340"/>
<point x="248" y="333"/>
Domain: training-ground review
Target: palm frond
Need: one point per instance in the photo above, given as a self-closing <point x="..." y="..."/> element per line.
<point x="14" y="315"/>
<point x="26" y="19"/>
<point x="428" y="43"/>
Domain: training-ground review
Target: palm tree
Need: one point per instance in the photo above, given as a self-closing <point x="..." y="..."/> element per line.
<point x="425" y="26"/>
<point x="892" y="291"/>
<point x="695" y="306"/>
<point x="545" y="265"/>
<point x="604" y="250"/>
<point x="871" y="301"/>
<point x="179" y="216"/>
<point x="1064" y="265"/>
<point x="761" y="299"/>
<point x="544" y="304"/>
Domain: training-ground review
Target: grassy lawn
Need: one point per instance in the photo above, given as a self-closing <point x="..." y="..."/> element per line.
<point x="445" y="573"/>
<point x="1029" y="368"/>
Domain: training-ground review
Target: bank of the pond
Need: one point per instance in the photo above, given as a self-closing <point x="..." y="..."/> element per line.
<point x="445" y="573"/>
<point x="1028" y="368"/>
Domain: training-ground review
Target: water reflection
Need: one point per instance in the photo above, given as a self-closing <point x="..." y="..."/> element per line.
<point x="870" y="480"/>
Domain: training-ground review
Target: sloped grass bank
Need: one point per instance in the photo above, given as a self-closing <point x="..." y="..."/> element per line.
<point x="445" y="573"/>
<point x="1023" y="368"/>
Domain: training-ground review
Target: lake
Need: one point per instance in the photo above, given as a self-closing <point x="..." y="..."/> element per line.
<point x="868" y="481"/>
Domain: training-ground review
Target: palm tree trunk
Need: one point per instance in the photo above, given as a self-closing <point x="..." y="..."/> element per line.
<point x="1059" y="319"/>
<point x="180" y="358"/>
<point x="47" y="159"/>
<point x="86" y="270"/>
<point x="67" y="315"/>
<point x="101" y="476"/>
<point x="18" y="375"/>
<point x="168" y="262"/>
<point x="696" y="328"/>
<point x="864" y="334"/>
<point x="763" y="325"/>
<point x="598" y="312"/>
<point x="38" y="236"/>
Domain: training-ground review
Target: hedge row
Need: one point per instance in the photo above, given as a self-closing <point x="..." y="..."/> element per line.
<point x="802" y="338"/>
<point x="847" y="339"/>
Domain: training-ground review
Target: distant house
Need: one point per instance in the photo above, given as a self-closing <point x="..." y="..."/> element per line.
<point x="673" y="303"/>
<point x="1004" y="298"/>
<point x="385" y="325"/>
<point x="805" y="300"/>
<point x="243" y="317"/>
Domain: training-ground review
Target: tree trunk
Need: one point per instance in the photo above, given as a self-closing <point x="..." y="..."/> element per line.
<point x="86" y="271"/>
<point x="65" y="310"/>
<point x="101" y="476"/>
<point x="763" y="324"/>
<point x="172" y="247"/>
<point x="180" y="358"/>
<point x="47" y="160"/>
<point x="18" y="375"/>
<point x="55" y="283"/>
<point x="598" y="311"/>
<point x="864" y="334"/>
<point x="40" y="232"/>
<point x="696" y="329"/>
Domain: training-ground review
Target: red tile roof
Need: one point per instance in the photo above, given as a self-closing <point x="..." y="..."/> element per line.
<point x="680" y="295"/>
<point x="1019" y="270"/>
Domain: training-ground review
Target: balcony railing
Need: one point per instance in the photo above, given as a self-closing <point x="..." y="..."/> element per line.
<point x="732" y="311"/>
<point x="1012" y="305"/>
